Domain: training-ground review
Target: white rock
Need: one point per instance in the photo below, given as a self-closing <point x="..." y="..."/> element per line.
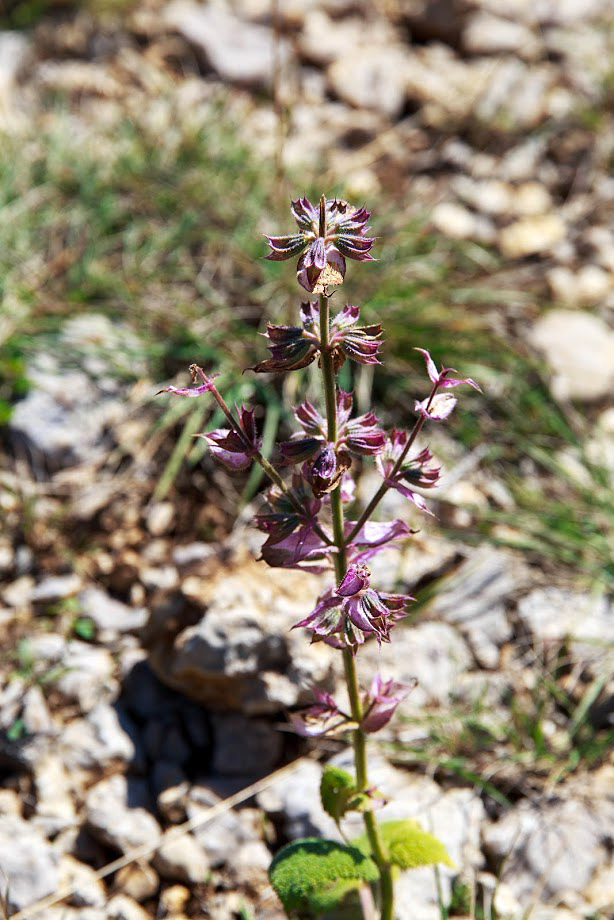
<point x="371" y="77"/>
<point x="116" y="816"/>
<point x="55" y="588"/>
<point x="138" y="881"/>
<point x="182" y="859"/>
<point x="454" y="221"/>
<point x="160" y="518"/>
<point x="578" y="348"/>
<point x="240" y="52"/>
<point x="86" y="889"/>
<point x="529" y="199"/>
<point x="488" y="34"/>
<point x="109" y="613"/>
<point x="585" y="286"/>
<point x="30" y="867"/>
<point x="434" y="653"/>
<point x="474" y="598"/>
<point x="89" y="674"/>
<point x="531" y="235"/>
<point x="121" y="907"/>
<point x="554" y="615"/>
<point x="550" y="848"/>
<point x="55" y="809"/>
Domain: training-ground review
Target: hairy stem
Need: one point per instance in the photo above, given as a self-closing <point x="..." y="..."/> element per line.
<point x="349" y="662"/>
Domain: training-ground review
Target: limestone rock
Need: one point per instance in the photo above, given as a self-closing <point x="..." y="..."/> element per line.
<point x="550" y="850"/>
<point x="30" y="867"/>
<point x="242" y="654"/>
<point x="239" y="52"/>
<point x="116" y="814"/>
<point x="181" y="859"/>
<point x="371" y="77"/>
<point x="109" y="613"/>
<point x="488" y="34"/>
<point x="531" y="235"/>
<point x="474" y="599"/>
<point x="578" y="347"/>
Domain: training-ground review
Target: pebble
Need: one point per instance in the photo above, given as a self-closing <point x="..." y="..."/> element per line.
<point x="86" y="889"/>
<point x="488" y="34"/>
<point x="531" y="235"/>
<point x="371" y="77"/>
<point x="55" y="588"/>
<point x="238" y="51"/>
<point x="30" y="867"/>
<point x="578" y="348"/>
<point x="181" y="859"/>
<point x="139" y="881"/>
<point x="586" y="286"/>
<point x="160" y="517"/>
<point x="110" y="614"/>
<point x="121" y="907"/>
<point x="116" y="815"/>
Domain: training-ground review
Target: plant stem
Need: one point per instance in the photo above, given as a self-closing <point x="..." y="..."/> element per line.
<point x="364" y="517"/>
<point x="349" y="662"/>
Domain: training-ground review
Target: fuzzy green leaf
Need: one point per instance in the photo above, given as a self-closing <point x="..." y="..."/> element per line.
<point x="408" y="846"/>
<point x="311" y="875"/>
<point x="337" y="787"/>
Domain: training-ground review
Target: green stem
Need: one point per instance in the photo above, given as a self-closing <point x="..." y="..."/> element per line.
<point x="349" y="662"/>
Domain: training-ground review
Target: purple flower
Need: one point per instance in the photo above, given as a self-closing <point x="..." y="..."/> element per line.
<point x="380" y="702"/>
<point x="207" y="386"/>
<point x="440" y="378"/>
<point x="291" y="537"/>
<point x="316" y="720"/>
<point x="414" y="470"/>
<point x="235" y="450"/>
<point x="327" y="235"/>
<point x="373" y="537"/>
<point x="359" y="435"/>
<point x="355" y="611"/>
<point x="325" y="472"/>
<point x="347" y="340"/>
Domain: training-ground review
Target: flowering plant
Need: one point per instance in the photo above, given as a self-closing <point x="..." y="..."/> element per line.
<point x="306" y="527"/>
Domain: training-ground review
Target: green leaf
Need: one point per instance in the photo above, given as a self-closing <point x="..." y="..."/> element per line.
<point x="311" y="876"/>
<point x="337" y="787"/>
<point x="84" y="628"/>
<point x="408" y="846"/>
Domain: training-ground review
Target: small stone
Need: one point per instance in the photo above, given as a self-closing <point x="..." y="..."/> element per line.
<point x="488" y="34"/>
<point x="172" y="787"/>
<point x="10" y="803"/>
<point x="174" y="899"/>
<point x="371" y="77"/>
<point x="585" y="286"/>
<point x="531" y="235"/>
<point x="55" y="588"/>
<point x="530" y="199"/>
<point x="55" y="809"/>
<point x="89" y="674"/>
<point x="238" y="51"/>
<point x="110" y="614"/>
<point x="121" y="907"/>
<point x="35" y="713"/>
<point x="116" y="816"/>
<point x="160" y="517"/>
<point x="181" y="859"/>
<point x="220" y="837"/>
<point x="579" y="349"/>
<point x="600" y="892"/>
<point x="139" y="882"/>
<point x="30" y="867"/>
<point x="19" y="592"/>
<point x="86" y="889"/>
<point x="454" y="221"/>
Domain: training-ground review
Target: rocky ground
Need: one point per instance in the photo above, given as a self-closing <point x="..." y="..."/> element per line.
<point x="147" y="671"/>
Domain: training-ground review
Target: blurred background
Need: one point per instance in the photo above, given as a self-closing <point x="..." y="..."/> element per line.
<point x="147" y="664"/>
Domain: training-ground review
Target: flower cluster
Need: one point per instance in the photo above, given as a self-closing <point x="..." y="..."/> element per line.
<point x="303" y="516"/>
<point x="325" y="238"/>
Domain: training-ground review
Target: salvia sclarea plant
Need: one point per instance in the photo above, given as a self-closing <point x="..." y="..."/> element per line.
<point x="306" y="527"/>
